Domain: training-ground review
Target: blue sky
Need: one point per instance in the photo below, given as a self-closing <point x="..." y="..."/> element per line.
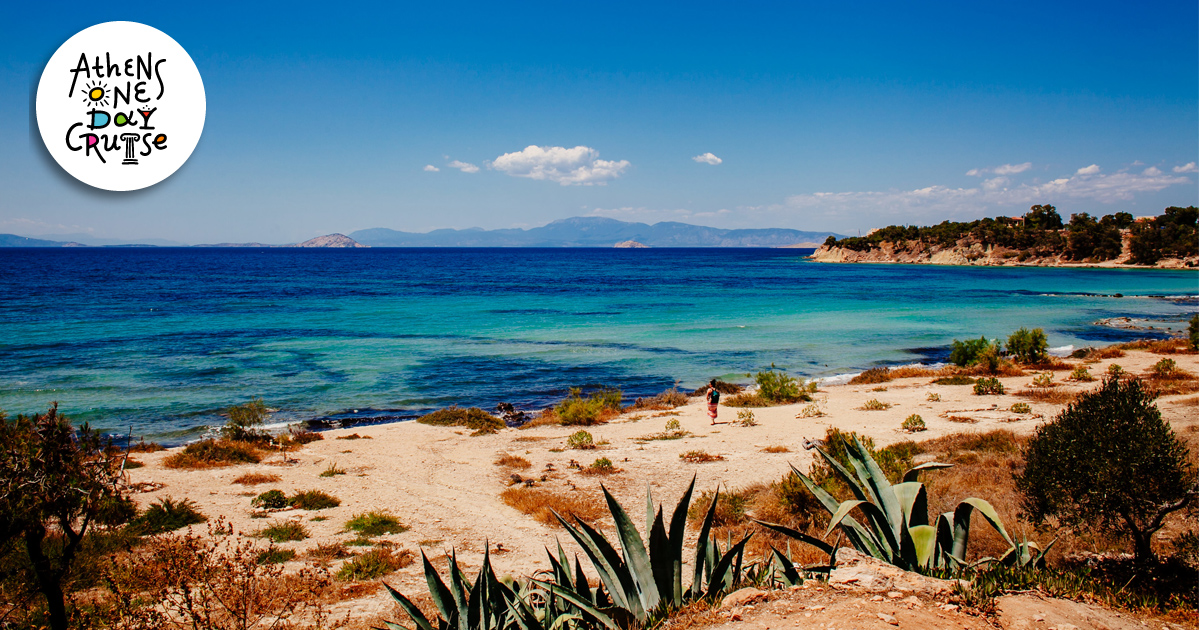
<point x="330" y="117"/>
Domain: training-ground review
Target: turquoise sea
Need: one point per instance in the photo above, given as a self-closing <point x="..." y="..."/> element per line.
<point x="158" y="341"/>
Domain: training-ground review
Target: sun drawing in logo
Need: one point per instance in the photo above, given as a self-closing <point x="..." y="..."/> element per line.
<point x="96" y="94"/>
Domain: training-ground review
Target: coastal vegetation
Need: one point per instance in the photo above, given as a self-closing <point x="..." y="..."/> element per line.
<point x="775" y="387"/>
<point x="375" y="563"/>
<point x="1041" y="234"/>
<point x="913" y="424"/>
<point x="473" y="418"/>
<point x="988" y="386"/>
<point x="283" y="531"/>
<point x="374" y="523"/>
<point x="1109" y="462"/>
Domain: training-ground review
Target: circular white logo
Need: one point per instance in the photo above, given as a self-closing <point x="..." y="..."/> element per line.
<point x="120" y="106"/>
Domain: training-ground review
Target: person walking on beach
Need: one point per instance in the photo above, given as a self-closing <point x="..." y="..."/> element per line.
<point x="713" y="396"/>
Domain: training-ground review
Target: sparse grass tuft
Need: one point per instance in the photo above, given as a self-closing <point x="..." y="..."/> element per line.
<point x="810" y="411"/>
<point x="699" y="457"/>
<point x="669" y="399"/>
<point x="1053" y="396"/>
<point x="512" y="461"/>
<point x="962" y="419"/>
<point x="957" y="379"/>
<point x="329" y="551"/>
<point x="1043" y="380"/>
<point x="541" y="504"/>
<point x="254" y="479"/>
<point x="146" y="447"/>
<point x="212" y="454"/>
<point x="371" y="524"/>
<point x="747" y="399"/>
<point x="933" y="397"/>
<point x="165" y="516"/>
<point x="275" y="555"/>
<point x="332" y="470"/>
<point x="777" y="449"/>
<point x="1081" y="374"/>
<point x="353" y="436"/>
<point x="375" y="563"/>
<point x="875" y="405"/>
<point x="314" y="500"/>
<point x="283" y="531"/>
<point x="1020" y="407"/>
<point x="746" y="418"/>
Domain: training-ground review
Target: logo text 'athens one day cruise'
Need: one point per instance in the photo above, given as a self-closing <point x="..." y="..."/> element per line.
<point x="120" y="106"/>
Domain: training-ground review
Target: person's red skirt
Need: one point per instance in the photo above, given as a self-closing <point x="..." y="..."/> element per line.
<point x="712" y="411"/>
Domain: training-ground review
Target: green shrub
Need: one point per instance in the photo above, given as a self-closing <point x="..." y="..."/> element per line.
<point x="373" y="523"/>
<point x="779" y="388"/>
<point x="244" y="422"/>
<point x="313" y="500"/>
<point x="933" y="397"/>
<point x="1110" y="464"/>
<point x="1020" y="407"/>
<point x="957" y="379"/>
<point x="875" y="405"/>
<point x="1043" y="380"/>
<point x="672" y="425"/>
<point x="166" y="515"/>
<point x="1028" y="346"/>
<point x="474" y="418"/>
<point x="811" y="411"/>
<point x="581" y="440"/>
<point x="1165" y="368"/>
<point x="283" y="531"/>
<point x="375" y="563"/>
<point x="275" y="555"/>
<point x="1115" y="370"/>
<point x="271" y="500"/>
<point x="1081" y="374"/>
<point x="575" y="409"/>
<point x="746" y="418"/>
<point x="965" y="353"/>
<point x="211" y="453"/>
<point x="913" y="424"/>
<point x="747" y="399"/>
<point x="1193" y="332"/>
<point x="602" y="465"/>
<point x="989" y="385"/>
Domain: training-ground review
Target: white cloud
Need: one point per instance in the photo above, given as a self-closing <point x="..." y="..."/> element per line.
<point x="707" y="158"/>
<point x="465" y="167"/>
<point x="429" y="168"/>
<point x="1088" y="170"/>
<point x="1190" y="167"/>
<point x="1003" y="169"/>
<point x="1152" y="171"/>
<point x="578" y="166"/>
<point x="995" y="183"/>
<point x="1012" y="169"/>
<point x="941" y="202"/>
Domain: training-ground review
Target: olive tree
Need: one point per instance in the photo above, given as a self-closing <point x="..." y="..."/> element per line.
<point x="1108" y="463"/>
<point x="56" y="481"/>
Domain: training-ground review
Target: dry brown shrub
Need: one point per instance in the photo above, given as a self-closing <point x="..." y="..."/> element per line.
<point x="1107" y="352"/>
<point x="1189" y="402"/>
<point x="513" y="461"/>
<point x="213" y="454"/>
<point x="962" y="419"/>
<point x="913" y="371"/>
<point x="699" y="457"/>
<point x="539" y="503"/>
<point x="1050" y="364"/>
<point x="1160" y="346"/>
<point x="872" y="376"/>
<point x="329" y="551"/>
<point x="548" y="417"/>
<point x="253" y="479"/>
<point x="1006" y="368"/>
<point x="777" y="449"/>
<point x="669" y="399"/>
<point x="213" y="581"/>
<point x="1178" y="383"/>
<point x="531" y="438"/>
<point x="146" y="447"/>
<point x="1049" y="395"/>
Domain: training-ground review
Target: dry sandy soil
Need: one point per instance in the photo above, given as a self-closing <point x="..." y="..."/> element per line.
<point x="445" y="486"/>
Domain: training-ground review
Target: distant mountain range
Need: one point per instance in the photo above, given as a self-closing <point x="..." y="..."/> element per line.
<point x="573" y="232"/>
<point x="592" y="232"/>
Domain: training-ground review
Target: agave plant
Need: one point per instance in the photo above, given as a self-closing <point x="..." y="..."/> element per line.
<point x="896" y="526"/>
<point x="643" y="580"/>
<point x="487" y="604"/>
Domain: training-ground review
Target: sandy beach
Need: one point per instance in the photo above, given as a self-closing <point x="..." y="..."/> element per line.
<point x="445" y="486"/>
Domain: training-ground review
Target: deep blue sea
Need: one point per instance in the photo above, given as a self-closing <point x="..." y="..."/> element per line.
<point x="160" y="340"/>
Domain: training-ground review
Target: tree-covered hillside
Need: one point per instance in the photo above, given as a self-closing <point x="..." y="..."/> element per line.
<point x="1041" y="233"/>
